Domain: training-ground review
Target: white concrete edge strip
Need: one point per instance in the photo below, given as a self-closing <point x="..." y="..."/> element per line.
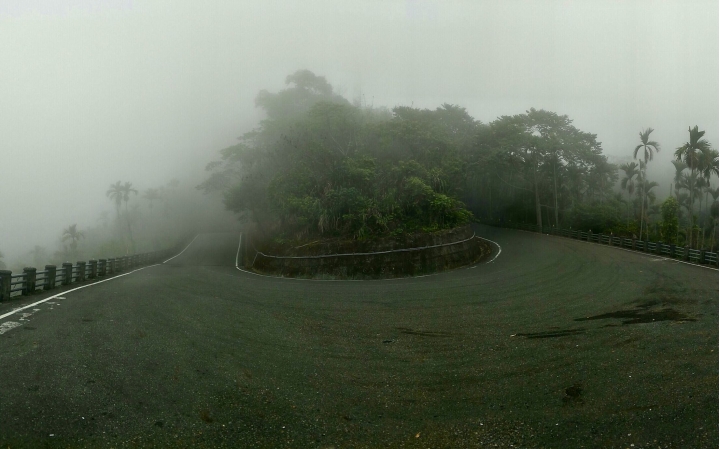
<point x="59" y="295"/>
<point x="499" y="249"/>
<point x="188" y="246"/>
<point x="403" y="250"/>
<point x="237" y="255"/>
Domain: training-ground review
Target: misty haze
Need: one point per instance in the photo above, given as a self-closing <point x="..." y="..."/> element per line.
<point x="327" y="224"/>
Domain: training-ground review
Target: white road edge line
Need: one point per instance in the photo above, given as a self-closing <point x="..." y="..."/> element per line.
<point x="69" y="291"/>
<point x="59" y="295"/>
<point x="237" y="266"/>
<point x="188" y="246"/>
<point x="499" y="249"/>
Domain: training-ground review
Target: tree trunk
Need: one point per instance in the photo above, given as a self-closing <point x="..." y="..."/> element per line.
<point x="538" y="210"/>
<point x="127" y="219"/>
<point x="642" y="208"/>
<point x="628" y="211"/>
<point x="557" y="222"/>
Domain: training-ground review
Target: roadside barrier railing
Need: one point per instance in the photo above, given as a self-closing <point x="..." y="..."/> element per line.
<point x="684" y="253"/>
<point x="31" y="281"/>
<point x="322" y="256"/>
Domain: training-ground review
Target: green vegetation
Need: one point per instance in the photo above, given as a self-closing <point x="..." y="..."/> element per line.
<point x="669" y="228"/>
<point x="319" y="166"/>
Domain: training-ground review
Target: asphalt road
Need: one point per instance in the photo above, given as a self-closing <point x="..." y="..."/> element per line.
<point x="555" y="343"/>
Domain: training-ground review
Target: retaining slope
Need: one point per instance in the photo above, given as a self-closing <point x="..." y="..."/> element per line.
<point x="384" y="258"/>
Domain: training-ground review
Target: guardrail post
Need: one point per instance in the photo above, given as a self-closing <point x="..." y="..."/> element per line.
<point x="672" y="250"/>
<point x="633" y="244"/>
<point x="80" y="270"/>
<point x="658" y="248"/>
<point x="589" y="236"/>
<point x="5" y="280"/>
<point x="701" y="260"/>
<point x="67" y="269"/>
<point x="610" y="242"/>
<point x="102" y="267"/>
<point x="30" y="277"/>
<point x="93" y="269"/>
<point x="686" y="253"/>
<point x="50" y="271"/>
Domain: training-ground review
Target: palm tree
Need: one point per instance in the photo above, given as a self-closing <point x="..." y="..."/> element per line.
<point x="690" y="154"/>
<point x="648" y="196"/>
<point x="71" y="233"/>
<point x="38" y="255"/>
<point x="115" y="193"/>
<point x="126" y="191"/>
<point x="693" y="183"/>
<point x="628" y="183"/>
<point x="680" y="166"/>
<point x="152" y="195"/>
<point x="648" y="146"/>
<point x="103" y="218"/>
<point x="714" y="213"/>
<point x="707" y="165"/>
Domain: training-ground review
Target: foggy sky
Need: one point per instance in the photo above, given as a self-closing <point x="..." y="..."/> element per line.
<point x="92" y="92"/>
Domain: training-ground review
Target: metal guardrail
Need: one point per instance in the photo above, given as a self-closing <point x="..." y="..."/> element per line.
<point x="700" y="257"/>
<point x="31" y="281"/>
<point x="420" y="248"/>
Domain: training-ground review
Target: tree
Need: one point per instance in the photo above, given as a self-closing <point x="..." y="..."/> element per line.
<point x="648" y="197"/>
<point x="152" y="195"/>
<point x="39" y="255"/>
<point x="74" y="235"/>
<point x="690" y="153"/>
<point x="628" y="182"/>
<point x="126" y="191"/>
<point x="648" y="146"/>
<point x="115" y="193"/>
<point x="707" y="165"/>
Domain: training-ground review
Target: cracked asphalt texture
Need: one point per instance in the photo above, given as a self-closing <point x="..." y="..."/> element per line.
<point x="557" y="343"/>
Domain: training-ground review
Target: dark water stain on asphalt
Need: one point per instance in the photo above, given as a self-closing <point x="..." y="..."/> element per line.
<point x="205" y="416"/>
<point x="406" y="330"/>
<point x="553" y="333"/>
<point x="641" y="315"/>
<point x="573" y="394"/>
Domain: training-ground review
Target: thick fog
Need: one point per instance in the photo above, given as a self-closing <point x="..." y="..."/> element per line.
<point x="94" y="92"/>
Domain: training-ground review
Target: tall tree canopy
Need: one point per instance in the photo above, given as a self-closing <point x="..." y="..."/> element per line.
<point x="318" y="165"/>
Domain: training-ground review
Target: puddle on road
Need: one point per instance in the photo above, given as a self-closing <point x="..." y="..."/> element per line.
<point x="553" y="333"/>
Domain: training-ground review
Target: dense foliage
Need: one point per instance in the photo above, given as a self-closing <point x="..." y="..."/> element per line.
<point x="318" y="166"/>
<point x="337" y="169"/>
